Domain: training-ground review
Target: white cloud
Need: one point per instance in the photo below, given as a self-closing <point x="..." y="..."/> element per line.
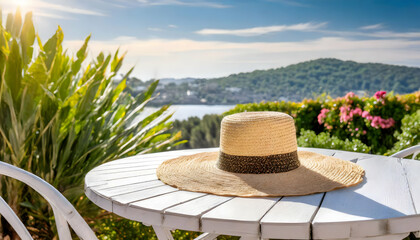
<point x="40" y="8"/>
<point x="158" y="58"/>
<point x="172" y="26"/>
<point x="50" y="15"/>
<point x="377" y="34"/>
<point x="310" y="27"/>
<point x="291" y="3"/>
<point x="188" y="3"/>
<point x="396" y="34"/>
<point x="62" y="8"/>
<point x="155" y="29"/>
<point x="372" y="27"/>
<point x="123" y="39"/>
<point x="256" y="31"/>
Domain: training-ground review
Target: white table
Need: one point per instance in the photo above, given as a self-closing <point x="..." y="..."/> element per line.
<point x="386" y="205"/>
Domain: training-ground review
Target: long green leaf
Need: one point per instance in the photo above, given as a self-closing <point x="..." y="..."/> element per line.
<point x="28" y="39"/>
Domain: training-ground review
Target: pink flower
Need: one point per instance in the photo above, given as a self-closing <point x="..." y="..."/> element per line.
<point x="357" y="111"/>
<point x="365" y="114"/>
<point x="350" y="95"/>
<point x="347" y="114"/>
<point x="320" y="119"/>
<point x="376" y="122"/>
<point x="364" y="132"/>
<point x="344" y="117"/>
<point x="324" y="111"/>
<point x="383" y="123"/>
<point x="322" y="115"/>
<point x="380" y="94"/>
<point x="357" y="129"/>
<point x="387" y="123"/>
<point x="392" y="121"/>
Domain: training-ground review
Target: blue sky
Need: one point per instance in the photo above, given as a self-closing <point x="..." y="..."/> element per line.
<point x="212" y="38"/>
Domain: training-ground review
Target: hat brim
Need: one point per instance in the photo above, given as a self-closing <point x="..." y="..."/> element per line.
<point x="316" y="173"/>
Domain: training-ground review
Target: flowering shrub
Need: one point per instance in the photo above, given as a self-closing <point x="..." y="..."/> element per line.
<point x="372" y="120"/>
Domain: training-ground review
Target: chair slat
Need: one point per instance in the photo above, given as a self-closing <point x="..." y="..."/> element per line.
<point x="62" y="226"/>
<point x="54" y="198"/>
<point x="14" y="220"/>
<point x="415" y="150"/>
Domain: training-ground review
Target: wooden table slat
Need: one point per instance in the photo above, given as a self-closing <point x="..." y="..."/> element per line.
<point x="107" y="167"/>
<point x="149" y="157"/>
<point x="122" y="175"/>
<point x="118" y="182"/>
<point x="363" y="210"/>
<point x="291" y="217"/>
<point x="129" y="169"/>
<point x="142" y="194"/>
<point x="351" y="156"/>
<point x="151" y="210"/>
<point x="188" y="215"/>
<point x="412" y="171"/>
<point x="328" y="152"/>
<point x="113" y="191"/>
<point x="238" y="217"/>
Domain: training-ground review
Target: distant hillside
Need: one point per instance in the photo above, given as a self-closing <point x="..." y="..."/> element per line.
<point x="294" y="83"/>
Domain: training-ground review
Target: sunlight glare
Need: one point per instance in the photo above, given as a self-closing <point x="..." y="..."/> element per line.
<point x="21" y="3"/>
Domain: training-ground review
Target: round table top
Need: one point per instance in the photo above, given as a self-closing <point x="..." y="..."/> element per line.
<point x="387" y="202"/>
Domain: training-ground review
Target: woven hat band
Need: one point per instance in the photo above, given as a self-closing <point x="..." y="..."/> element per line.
<point x="258" y="164"/>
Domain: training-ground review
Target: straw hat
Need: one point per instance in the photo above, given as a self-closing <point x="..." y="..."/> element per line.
<point x="259" y="157"/>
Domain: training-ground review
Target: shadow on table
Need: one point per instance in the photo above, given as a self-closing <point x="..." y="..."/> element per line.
<point x="361" y="200"/>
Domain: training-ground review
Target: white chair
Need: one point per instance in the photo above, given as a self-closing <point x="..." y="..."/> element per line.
<point x="65" y="214"/>
<point x="415" y="150"/>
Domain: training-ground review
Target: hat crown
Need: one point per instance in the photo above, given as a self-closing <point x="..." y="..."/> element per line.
<point x="258" y="134"/>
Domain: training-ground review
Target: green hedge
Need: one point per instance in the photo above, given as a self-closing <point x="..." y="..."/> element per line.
<point x="374" y="121"/>
<point x="409" y="135"/>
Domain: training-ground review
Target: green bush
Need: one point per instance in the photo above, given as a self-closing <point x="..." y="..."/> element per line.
<point x="59" y="120"/>
<point x="409" y="135"/>
<point x="117" y="228"/>
<point x="309" y="138"/>
<point x="372" y="120"/>
<point x="199" y="133"/>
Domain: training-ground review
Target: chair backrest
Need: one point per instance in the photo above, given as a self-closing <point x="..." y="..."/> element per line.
<point x="415" y="150"/>
<point x="65" y="214"/>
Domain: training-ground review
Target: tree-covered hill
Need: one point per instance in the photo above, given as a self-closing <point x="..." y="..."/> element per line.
<point x="294" y="83"/>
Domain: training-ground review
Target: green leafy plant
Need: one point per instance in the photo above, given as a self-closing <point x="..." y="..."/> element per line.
<point x="117" y="228"/>
<point x="309" y="138"/>
<point x="58" y="119"/>
<point x="200" y="133"/>
<point x="409" y="135"/>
